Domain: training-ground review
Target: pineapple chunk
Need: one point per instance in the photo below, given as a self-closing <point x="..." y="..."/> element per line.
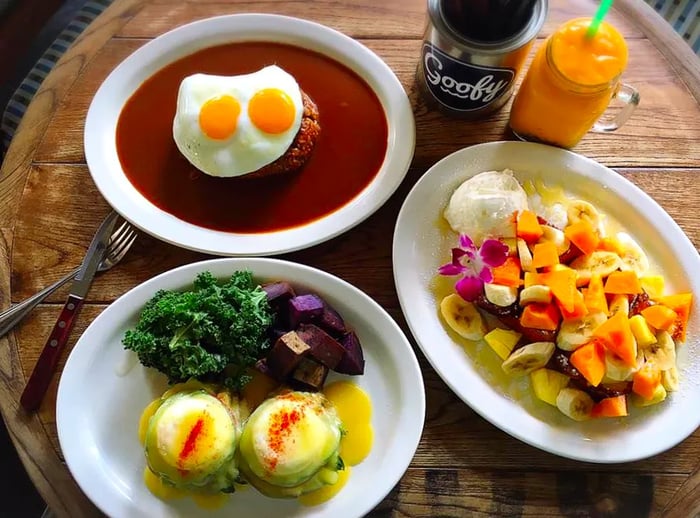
<point x="547" y="383"/>
<point x="502" y="341"/>
<point x="659" y="396"/>
<point x="641" y="331"/>
<point x="653" y="285"/>
<point x="531" y="279"/>
<point x="511" y="243"/>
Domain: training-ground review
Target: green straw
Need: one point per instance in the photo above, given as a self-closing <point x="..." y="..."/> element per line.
<point x="603" y="9"/>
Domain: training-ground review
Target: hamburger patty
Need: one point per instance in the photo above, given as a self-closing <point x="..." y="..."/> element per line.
<point x="302" y="146"/>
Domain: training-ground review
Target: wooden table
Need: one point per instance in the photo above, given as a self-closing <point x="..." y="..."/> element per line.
<point x="464" y="466"/>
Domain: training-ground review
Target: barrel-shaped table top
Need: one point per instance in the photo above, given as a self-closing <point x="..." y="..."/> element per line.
<point x="464" y="466"/>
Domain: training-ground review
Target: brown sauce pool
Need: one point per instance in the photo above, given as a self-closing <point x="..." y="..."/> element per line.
<point x="347" y="156"/>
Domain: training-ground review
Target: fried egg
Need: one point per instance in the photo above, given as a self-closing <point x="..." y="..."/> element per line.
<point x="233" y="125"/>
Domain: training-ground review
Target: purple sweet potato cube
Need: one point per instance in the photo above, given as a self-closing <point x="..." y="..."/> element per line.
<point x="278" y="292"/>
<point x="322" y="346"/>
<point x="304" y="309"/>
<point x="331" y="322"/>
<point x="353" y="361"/>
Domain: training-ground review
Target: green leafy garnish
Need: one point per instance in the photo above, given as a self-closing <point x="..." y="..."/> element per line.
<point x="213" y="332"/>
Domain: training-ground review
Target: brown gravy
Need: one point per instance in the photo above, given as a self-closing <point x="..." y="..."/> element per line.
<point x="347" y="156"/>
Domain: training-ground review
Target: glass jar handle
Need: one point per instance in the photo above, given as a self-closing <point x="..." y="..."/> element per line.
<point x="628" y="95"/>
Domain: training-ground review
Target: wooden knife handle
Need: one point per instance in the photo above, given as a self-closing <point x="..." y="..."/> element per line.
<point x="46" y="364"/>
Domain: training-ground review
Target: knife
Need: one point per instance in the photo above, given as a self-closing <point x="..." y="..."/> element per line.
<point x="46" y="364"/>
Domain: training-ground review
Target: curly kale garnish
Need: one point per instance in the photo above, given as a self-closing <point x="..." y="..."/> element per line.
<point x="213" y="332"/>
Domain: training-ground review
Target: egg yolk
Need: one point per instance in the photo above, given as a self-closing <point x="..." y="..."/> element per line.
<point x="271" y="110"/>
<point x="218" y="117"/>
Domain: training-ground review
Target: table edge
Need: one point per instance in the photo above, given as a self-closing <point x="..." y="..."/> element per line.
<point x="61" y="493"/>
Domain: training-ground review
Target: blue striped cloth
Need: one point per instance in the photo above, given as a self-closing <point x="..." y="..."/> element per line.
<point x="684" y="17"/>
<point x="21" y="98"/>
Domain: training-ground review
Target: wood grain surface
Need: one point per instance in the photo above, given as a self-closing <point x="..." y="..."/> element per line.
<point x="464" y="466"/>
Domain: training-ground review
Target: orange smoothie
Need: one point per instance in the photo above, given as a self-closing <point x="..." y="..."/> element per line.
<point x="569" y="84"/>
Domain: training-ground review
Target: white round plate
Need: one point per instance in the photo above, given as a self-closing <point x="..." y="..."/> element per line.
<point x="103" y="115"/>
<point x="422" y="244"/>
<point x="99" y="404"/>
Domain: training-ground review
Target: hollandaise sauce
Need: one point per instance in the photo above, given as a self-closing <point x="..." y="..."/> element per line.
<point x="165" y="492"/>
<point x="354" y="409"/>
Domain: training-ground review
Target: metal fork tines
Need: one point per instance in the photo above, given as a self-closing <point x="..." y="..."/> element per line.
<point x="119" y="243"/>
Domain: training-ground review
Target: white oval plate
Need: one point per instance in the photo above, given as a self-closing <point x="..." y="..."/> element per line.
<point x="103" y="115"/>
<point x="99" y="405"/>
<point x="420" y="247"/>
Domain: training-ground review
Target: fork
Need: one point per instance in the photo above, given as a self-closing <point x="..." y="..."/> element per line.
<point x="119" y="243"/>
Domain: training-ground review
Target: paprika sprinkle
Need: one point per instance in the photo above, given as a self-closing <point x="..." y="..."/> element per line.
<point x="191" y="441"/>
<point x="282" y="423"/>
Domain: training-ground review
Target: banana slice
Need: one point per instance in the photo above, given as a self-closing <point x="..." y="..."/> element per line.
<point x="463" y="317"/>
<point x="633" y="257"/>
<point x="528" y="358"/>
<point x="601" y="262"/>
<point x="556" y="236"/>
<point x="619" y="302"/>
<point x="579" y="209"/>
<point x="574" y="333"/>
<point x="537" y="293"/>
<point x="524" y="255"/>
<point x="663" y="352"/>
<point x="500" y="295"/>
<point x="669" y="379"/>
<point x="617" y="370"/>
<point x="575" y="404"/>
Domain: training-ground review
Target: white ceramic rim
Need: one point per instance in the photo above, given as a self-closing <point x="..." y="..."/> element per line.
<point x="103" y="114"/>
<point x="455" y="367"/>
<point x="81" y="453"/>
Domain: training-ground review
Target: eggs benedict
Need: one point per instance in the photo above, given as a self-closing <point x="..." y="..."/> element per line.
<point x="191" y="439"/>
<point x="290" y="445"/>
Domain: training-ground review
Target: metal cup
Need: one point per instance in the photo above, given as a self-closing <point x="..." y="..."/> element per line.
<point x="470" y="78"/>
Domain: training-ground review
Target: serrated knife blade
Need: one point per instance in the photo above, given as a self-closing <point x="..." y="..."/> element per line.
<point x="45" y="366"/>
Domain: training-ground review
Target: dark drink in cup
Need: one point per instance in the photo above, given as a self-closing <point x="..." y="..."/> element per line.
<point x="473" y="50"/>
<point x="487" y="21"/>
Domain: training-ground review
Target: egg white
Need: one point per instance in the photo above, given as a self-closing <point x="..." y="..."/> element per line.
<point x="249" y="148"/>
